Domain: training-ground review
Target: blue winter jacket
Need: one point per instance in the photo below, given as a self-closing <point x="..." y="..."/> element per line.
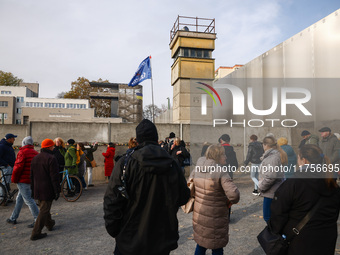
<point x="292" y="159"/>
<point x="7" y="154"/>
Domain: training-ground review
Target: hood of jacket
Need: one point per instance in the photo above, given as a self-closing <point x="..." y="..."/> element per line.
<point x="152" y="158"/>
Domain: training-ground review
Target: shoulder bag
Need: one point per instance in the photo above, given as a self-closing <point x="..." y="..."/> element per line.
<point x="277" y="244"/>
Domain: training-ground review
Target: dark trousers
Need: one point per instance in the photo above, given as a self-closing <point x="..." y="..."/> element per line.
<point x="117" y="252"/>
<point x="44" y="218"/>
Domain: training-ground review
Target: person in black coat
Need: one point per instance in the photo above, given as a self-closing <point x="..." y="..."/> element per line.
<point x="7" y="157"/>
<point x="255" y="152"/>
<point x="179" y="152"/>
<point x="142" y="214"/>
<point x="59" y="152"/>
<point x="45" y="186"/>
<point x="297" y="196"/>
<point x="232" y="163"/>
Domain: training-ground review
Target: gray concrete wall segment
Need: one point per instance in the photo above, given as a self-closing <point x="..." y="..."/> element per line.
<point x="19" y="130"/>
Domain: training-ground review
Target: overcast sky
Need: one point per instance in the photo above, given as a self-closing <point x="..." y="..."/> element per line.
<point x="55" y="42"/>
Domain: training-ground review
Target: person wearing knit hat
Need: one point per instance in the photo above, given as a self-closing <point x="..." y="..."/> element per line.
<point x="21" y="176"/>
<point x="153" y="188"/>
<point x="47" y="143"/>
<point x="146" y="131"/>
<point x="292" y="159"/>
<point x="308" y="138"/>
<point x="71" y="158"/>
<point x="45" y="185"/>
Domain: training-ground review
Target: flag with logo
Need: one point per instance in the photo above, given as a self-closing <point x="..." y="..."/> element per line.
<point x="143" y="72"/>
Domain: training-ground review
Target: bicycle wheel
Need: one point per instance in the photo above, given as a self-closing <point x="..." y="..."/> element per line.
<point x="71" y="190"/>
<point x="3" y="194"/>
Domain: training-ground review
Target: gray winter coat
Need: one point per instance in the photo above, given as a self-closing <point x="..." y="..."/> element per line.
<point x="271" y="175"/>
<point x="330" y="147"/>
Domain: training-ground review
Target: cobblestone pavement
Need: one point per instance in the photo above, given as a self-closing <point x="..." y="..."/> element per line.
<point x="80" y="226"/>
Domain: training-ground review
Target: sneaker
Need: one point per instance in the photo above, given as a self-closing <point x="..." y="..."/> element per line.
<point x="31" y="225"/>
<point x="37" y="237"/>
<point x="11" y="221"/>
<point x="255" y="192"/>
<point x="90" y="185"/>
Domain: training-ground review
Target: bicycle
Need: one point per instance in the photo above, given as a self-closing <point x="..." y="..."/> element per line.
<point x="5" y="195"/>
<point x="71" y="187"/>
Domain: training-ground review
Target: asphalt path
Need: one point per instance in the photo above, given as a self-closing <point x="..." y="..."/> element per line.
<point x="80" y="226"/>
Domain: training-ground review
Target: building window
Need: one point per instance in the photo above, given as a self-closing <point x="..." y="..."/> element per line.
<point x="3" y="115"/>
<point x="206" y="54"/>
<point x="18" y="122"/>
<point x="4" y="92"/>
<point x="20" y="99"/>
<point x="186" y="53"/>
<point x="3" y="104"/>
<point x="194" y="53"/>
<point x="19" y="110"/>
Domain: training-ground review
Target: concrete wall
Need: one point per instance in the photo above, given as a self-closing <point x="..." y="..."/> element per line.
<point x="120" y="133"/>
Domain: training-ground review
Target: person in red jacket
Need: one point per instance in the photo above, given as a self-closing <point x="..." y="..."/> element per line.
<point x="21" y="176"/>
<point x="109" y="155"/>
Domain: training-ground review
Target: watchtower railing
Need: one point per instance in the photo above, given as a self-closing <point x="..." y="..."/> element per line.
<point x="194" y="24"/>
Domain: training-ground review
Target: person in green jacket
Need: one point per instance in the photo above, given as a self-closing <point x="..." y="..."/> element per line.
<point x="71" y="158"/>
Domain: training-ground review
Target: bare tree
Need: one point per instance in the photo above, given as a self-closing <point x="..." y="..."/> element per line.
<point x="147" y="111"/>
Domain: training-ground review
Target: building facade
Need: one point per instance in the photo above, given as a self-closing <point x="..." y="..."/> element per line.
<point x="21" y="104"/>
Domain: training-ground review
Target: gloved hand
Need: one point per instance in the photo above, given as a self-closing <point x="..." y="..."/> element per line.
<point x="56" y="196"/>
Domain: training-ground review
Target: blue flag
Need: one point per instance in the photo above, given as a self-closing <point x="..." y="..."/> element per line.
<point x="143" y="73"/>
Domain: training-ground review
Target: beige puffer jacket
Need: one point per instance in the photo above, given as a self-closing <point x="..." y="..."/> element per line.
<point x="214" y="191"/>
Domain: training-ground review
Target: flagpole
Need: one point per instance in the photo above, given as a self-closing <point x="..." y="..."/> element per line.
<point x="153" y="105"/>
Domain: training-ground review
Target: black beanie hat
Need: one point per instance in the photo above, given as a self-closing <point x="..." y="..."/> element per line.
<point x="172" y="135"/>
<point x="146" y="131"/>
<point x="224" y="137"/>
<point x="71" y="141"/>
<point x="304" y="133"/>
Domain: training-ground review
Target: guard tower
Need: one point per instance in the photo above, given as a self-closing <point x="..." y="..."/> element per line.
<point x="192" y="41"/>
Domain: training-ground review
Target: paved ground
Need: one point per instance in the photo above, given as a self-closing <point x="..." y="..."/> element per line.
<point x="80" y="227"/>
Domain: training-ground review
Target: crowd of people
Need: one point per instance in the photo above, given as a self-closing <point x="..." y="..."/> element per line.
<point x="146" y="187"/>
<point x="38" y="175"/>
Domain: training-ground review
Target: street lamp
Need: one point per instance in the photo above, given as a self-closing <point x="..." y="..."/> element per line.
<point x="168" y="103"/>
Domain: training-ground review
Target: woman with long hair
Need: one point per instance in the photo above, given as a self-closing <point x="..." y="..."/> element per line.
<point x="271" y="174"/>
<point x="214" y="193"/>
<point x="298" y="195"/>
